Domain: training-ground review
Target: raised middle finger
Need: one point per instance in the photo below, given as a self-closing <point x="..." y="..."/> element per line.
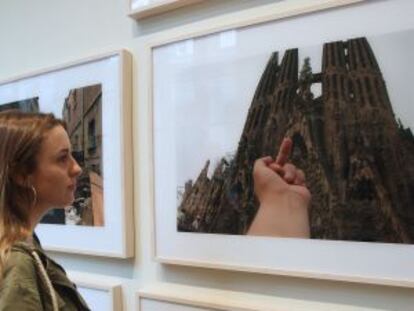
<point x="284" y="151"/>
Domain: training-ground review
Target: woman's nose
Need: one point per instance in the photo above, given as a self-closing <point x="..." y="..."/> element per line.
<point x="76" y="169"/>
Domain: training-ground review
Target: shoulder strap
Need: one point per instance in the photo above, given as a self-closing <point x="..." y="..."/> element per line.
<point x="31" y="250"/>
<point x="45" y="279"/>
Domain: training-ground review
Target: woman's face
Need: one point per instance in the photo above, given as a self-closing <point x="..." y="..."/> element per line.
<point x="55" y="176"/>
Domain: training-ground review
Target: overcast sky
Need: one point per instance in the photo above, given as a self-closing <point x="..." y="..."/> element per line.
<point x="203" y="89"/>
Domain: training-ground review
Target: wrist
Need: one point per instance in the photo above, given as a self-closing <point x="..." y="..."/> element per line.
<point x="286" y="200"/>
<point x="282" y="216"/>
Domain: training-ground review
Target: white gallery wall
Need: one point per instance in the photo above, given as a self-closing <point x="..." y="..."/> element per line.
<point x="44" y="33"/>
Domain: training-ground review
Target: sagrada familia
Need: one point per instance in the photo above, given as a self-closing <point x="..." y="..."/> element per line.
<point x="357" y="157"/>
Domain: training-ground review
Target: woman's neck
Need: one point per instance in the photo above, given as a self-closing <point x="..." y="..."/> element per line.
<point x="38" y="211"/>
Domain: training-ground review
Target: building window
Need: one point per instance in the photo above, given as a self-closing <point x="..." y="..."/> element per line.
<point x="76" y="142"/>
<point x="91" y="136"/>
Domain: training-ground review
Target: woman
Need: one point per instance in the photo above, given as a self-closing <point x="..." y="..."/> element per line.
<point x="37" y="173"/>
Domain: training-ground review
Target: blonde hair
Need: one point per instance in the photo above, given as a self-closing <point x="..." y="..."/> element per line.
<point x="21" y="136"/>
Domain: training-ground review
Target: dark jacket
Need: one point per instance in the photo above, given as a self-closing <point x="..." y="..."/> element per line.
<point x="25" y="288"/>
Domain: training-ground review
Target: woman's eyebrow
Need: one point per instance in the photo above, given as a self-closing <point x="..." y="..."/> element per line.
<point x="64" y="150"/>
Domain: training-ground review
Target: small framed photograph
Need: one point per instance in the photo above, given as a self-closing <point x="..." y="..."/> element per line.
<point x="100" y="292"/>
<point x="147" y="8"/>
<point x="93" y="97"/>
<point x="225" y="92"/>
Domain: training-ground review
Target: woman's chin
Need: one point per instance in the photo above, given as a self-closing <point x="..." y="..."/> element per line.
<point x="67" y="203"/>
<point x="70" y="200"/>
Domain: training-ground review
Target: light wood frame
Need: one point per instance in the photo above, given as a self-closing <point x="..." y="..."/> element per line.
<point x="110" y="286"/>
<point x="401" y="253"/>
<point x="215" y="299"/>
<point x="156" y="7"/>
<point x="118" y="226"/>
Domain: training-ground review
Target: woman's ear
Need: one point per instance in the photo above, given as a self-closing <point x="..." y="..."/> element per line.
<point x="21" y="179"/>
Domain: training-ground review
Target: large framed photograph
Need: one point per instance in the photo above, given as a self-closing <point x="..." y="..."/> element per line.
<point x="225" y="94"/>
<point x="100" y="292"/>
<point x="146" y="8"/>
<point x="93" y="97"/>
<point x="175" y="297"/>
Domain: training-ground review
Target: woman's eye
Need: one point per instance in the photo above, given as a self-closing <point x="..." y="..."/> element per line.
<point x="63" y="158"/>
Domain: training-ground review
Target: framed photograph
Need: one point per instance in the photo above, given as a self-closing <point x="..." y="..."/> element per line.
<point x="147" y="8"/>
<point x="100" y="292"/>
<point x="226" y="92"/>
<point x="174" y="297"/>
<point x="93" y="97"/>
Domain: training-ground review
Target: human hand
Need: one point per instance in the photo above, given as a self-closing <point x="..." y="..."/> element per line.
<point x="274" y="178"/>
<point x="284" y="198"/>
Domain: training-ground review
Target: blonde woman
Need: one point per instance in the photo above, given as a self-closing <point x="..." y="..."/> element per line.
<point x="37" y="173"/>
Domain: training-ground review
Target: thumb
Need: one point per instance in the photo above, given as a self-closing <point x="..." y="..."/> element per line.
<point x="263" y="169"/>
<point x="263" y="162"/>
